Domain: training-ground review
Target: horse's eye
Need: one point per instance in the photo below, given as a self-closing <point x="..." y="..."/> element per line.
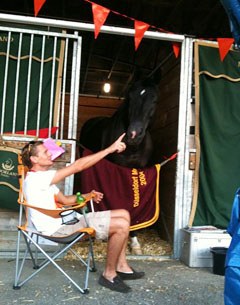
<point x="143" y="91"/>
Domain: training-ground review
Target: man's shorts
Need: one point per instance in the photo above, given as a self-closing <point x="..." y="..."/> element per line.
<point x="100" y="221"/>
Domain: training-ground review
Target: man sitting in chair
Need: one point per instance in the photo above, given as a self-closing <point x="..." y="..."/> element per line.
<point x="40" y="187"/>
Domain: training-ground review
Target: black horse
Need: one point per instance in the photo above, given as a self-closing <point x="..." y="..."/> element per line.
<point x="132" y="117"/>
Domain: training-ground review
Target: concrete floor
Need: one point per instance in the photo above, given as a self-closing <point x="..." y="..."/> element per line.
<point x="166" y="282"/>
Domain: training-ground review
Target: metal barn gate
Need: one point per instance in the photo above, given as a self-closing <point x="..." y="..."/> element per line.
<point x="38" y="67"/>
<point x="184" y="176"/>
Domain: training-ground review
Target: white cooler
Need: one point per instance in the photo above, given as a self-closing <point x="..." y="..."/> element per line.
<point x="196" y="244"/>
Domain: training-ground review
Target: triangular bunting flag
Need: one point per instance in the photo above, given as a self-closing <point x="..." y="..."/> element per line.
<point x="176" y="48"/>
<point x="140" y="29"/>
<point x="37" y="6"/>
<point x="100" y="14"/>
<point x="224" y="46"/>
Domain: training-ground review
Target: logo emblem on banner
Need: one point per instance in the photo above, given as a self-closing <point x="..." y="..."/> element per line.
<point x="7" y="168"/>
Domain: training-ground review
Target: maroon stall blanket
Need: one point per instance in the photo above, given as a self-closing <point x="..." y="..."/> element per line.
<point x="136" y="190"/>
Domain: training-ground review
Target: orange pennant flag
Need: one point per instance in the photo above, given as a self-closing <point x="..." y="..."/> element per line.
<point x="37" y="6"/>
<point x="140" y="29"/>
<point x="176" y="48"/>
<point x="224" y="45"/>
<point x="100" y="14"/>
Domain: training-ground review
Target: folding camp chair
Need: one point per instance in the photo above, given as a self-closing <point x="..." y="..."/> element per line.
<point x="34" y="247"/>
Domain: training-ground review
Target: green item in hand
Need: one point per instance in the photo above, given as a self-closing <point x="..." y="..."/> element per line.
<point x="80" y="200"/>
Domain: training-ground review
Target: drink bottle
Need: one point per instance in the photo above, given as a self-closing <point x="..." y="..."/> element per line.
<point x="80" y="200"/>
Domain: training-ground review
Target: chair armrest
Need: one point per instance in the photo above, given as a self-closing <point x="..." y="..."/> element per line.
<point x="55" y="213"/>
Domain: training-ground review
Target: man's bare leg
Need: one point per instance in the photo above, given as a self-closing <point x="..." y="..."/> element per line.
<point x="117" y="243"/>
<point x="117" y="268"/>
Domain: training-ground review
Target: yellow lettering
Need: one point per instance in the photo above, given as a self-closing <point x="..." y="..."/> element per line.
<point x="135" y="188"/>
<point x="134" y="172"/>
<point x="142" y="178"/>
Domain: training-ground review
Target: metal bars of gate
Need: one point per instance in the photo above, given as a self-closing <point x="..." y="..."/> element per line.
<point x="60" y="115"/>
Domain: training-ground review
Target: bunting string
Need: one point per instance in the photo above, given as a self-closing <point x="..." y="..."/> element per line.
<point x="101" y="13"/>
<point x="130" y="18"/>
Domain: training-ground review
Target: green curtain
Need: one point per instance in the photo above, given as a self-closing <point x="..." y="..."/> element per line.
<point x="219" y="126"/>
<point x="23" y="76"/>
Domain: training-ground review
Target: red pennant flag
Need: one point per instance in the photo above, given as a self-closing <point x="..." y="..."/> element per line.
<point x="176" y="48"/>
<point x="168" y="159"/>
<point x="37" y="6"/>
<point x="140" y="29"/>
<point x="173" y="156"/>
<point x="100" y="14"/>
<point x="224" y="46"/>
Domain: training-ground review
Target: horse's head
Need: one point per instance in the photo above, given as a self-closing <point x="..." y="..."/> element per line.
<point x="142" y="99"/>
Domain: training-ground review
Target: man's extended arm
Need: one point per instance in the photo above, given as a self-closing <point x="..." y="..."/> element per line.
<point x="87" y="161"/>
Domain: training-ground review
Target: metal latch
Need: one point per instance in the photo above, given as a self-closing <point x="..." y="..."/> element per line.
<point x="192" y="160"/>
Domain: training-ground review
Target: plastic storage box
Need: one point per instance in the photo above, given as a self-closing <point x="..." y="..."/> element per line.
<point x="197" y="243"/>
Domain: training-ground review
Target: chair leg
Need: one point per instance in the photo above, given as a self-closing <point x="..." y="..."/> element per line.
<point x="92" y="265"/>
<point x="89" y="262"/>
<point x="93" y="269"/>
<point x="17" y="274"/>
<point x="51" y="259"/>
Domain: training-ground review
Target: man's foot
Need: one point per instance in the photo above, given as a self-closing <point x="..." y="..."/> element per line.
<point x="134" y="275"/>
<point x="117" y="284"/>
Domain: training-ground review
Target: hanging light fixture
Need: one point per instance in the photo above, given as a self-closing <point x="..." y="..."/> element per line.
<point x="106" y="87"/>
